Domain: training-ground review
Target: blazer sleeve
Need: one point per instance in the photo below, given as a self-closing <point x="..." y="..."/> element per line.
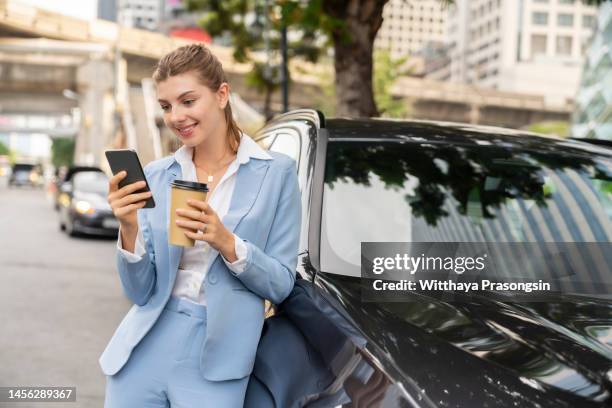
<point x="270" y="272"/>
<point x="138" y="278"/>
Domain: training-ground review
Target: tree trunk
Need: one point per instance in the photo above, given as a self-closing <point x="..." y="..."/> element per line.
<point x="353" y="61"/>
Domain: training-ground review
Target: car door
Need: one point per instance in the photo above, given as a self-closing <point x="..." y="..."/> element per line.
<point x="322" y="358"/>
<point x="286" y="140"/>
<point x="296" y="138"/>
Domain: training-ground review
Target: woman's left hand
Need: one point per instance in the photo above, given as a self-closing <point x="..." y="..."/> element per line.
<point x="203" y="224"/>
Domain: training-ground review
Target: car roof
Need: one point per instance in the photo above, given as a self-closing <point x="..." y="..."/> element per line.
<point x="453" y="133"/>
<point x="77" y="169"/>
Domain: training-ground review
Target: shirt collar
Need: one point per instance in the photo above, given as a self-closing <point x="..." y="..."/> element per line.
<point x="248" y="148"/>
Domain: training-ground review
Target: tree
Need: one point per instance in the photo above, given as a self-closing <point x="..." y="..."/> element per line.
<point x="353" y="44"/>
<point x="386" y="72"/>
<point x="325" y="100"/>
<point x="4" y="151"/>
<point x="353" y="25"/>
<point x="350" y="27"/>
<point x="255" y="26"/>
<point x="265" y="82"/>
<point x="62" y="151"/>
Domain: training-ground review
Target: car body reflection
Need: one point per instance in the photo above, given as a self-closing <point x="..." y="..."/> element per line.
<point x="376" y="180"/>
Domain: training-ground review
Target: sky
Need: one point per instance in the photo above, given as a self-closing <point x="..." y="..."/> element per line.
<point x="84" y="9"/>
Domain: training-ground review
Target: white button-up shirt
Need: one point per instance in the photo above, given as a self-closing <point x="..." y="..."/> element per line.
<point x="195" y="261"/>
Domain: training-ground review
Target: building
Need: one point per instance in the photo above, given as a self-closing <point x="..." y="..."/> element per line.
<point x="83" y="10"/>
<point x="527" y="46"/>
<point x="28" y="146"/>
<point x="178" y="21"/>
<point x="145" y="14"/>
<point x="107" y="10"/>
<point x="593" y="114"/>
<point x="410" y="26"/>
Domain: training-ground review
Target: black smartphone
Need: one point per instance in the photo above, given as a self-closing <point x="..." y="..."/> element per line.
<point x="127" y="159"/>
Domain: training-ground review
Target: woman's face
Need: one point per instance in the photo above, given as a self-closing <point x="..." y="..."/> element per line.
<point x="191" y="110"/>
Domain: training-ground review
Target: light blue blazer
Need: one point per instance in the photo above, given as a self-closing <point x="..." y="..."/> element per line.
<point x="265" y="212"/>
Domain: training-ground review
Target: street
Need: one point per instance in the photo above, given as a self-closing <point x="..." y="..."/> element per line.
<point x="60" y="297"/>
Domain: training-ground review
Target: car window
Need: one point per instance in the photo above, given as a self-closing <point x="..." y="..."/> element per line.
<point x="385" y="192"/>
<point x="23" y="167"/>
<point x="90" y="182"/>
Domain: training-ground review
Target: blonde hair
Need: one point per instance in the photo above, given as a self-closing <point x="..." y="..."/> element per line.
<point x="208" y="69"/>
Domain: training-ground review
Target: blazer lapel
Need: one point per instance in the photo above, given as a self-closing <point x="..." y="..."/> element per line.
<point x="175" y="251"/>
<point x="248" y="184"/>
<point x="249" y="179"/>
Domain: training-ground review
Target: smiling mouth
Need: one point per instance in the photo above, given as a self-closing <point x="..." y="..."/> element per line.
<point x="186" y="131"/>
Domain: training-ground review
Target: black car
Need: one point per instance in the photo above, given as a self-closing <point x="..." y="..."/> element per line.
<point x="83" y="205"/>
<point x="402" y="181"/>
<point x="64" y="175"/>
<point x="25" y="174"/>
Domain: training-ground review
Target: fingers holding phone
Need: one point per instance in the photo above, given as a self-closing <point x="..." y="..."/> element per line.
<point x="126" y="201"/>
<point x="128" y="188"/>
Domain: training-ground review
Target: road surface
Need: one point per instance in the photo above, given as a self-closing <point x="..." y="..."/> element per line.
<point x="60" y="301"/>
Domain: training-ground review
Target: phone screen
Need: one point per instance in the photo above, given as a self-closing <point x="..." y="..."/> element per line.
<point x="126" y="159"/>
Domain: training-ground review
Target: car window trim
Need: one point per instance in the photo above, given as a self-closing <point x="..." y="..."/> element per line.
<point x="296" y="136"/>
<point x="316" y="207"/>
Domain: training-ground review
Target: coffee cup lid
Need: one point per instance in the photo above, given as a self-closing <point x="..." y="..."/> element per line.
<point x="190" y="185"/>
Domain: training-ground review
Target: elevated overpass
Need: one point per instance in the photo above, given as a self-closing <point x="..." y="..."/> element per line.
<point x="42" y="54"/>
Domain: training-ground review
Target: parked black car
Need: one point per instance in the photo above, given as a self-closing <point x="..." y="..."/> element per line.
<point x="25" y="174"/>
<point x="64" y="175"/>
<point x="83" y="205"/>
<point x="384" y="180"/>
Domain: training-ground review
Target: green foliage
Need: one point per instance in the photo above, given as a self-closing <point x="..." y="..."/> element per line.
<point x="325" y="101"/>
<point x="4" y="151"/>
<point x="386" y="71"/>
<point x="235" y="19"/>
<point x="313" y="25"/>
<point x="556" y="128"/>
<point x="263" y="77"/>
<point x="253" y="27"/>
<point x="62" y="151"/>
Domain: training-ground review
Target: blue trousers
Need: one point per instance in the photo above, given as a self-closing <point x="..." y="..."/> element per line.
<point x="164" y="368"/>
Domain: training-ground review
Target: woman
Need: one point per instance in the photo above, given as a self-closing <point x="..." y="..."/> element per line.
<point x="191" y="337"/>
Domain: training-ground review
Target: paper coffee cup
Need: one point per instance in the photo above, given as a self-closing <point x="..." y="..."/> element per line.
<point x="181" y="192"/>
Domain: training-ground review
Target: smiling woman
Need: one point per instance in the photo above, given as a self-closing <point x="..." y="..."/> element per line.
<point x="192" y="334"/>
<point x="189" y="85"/>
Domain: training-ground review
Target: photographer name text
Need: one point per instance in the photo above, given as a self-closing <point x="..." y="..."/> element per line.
<point x="450" y="285"/>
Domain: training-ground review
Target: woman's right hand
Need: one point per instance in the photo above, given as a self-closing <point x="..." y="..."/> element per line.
<point x="124" y="202"/>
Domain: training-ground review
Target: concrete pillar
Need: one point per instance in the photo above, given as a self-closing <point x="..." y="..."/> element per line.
<point x="474" y="113"/>
<point x="95" y="84"/>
